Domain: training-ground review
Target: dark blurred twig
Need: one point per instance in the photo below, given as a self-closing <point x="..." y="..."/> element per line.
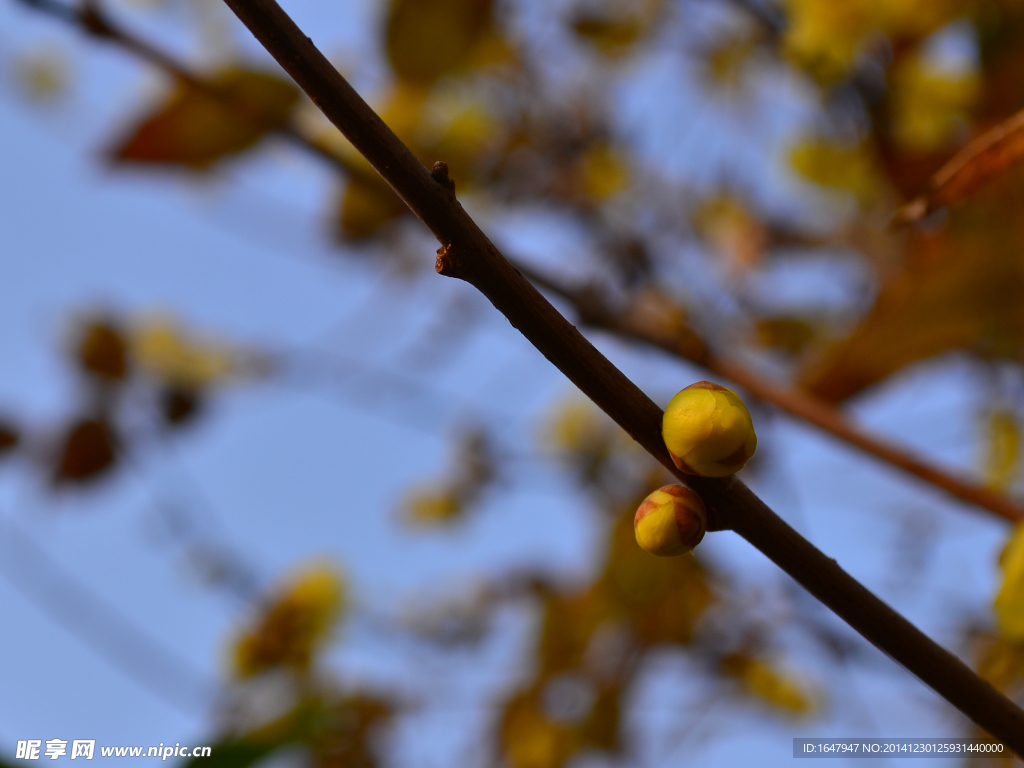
<point x="91" y="619"/>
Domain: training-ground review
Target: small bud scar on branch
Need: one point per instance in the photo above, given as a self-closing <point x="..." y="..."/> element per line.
<point x="730" y="504"/>
<point x="440" y="174"/>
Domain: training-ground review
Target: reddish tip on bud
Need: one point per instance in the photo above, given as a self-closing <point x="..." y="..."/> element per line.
<point x="671" y="521"/>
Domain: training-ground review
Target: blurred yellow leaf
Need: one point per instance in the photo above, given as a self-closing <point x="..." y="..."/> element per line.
<point x="195" y="128"/>
<point x="160" y="349"/>
<point x="659" y="314"/>
<point x="366" y="207"/>
<point x="958" y="291"/>
<point x="583" y="436"/>
<point x="459" y="131"/>
<point x="471" y="472"/>
<point x="346" y="734"/>
<point x="528" y="739"/>
<point x="789" y="334"/>
<point x="368" y="203"/>
<point x="1002" y="663"/>
<point x="402" y="110"/>
<point x="569" y="623"/>
<point x="849" y="168"/>
<point x="662" y="598"/>
<point x="603" y="172"/>
<point x="575" y="425"/>
<point x="1002" y="464"/>
<point x="612" y="37"/>
<point x="428" y="39"/>
<point x="916" y="19"/>
<point x="733" y="231"/>
<point x="548" y="723"/>
<point x="824" y="36"/>
<point x="589" y="639"/>
<point x="294" y="625"/>
<point x="435" y="126"/>
<point x="1009" y="603"/>
<point x="44" y="74"/>
<point x="769" y="685"/>
<point x="615" y="26"/>
<point x="432" y="506"/>
<point x="102" y="350"/>
<point x="725" y="60"/>
<point x="929" y="108"/>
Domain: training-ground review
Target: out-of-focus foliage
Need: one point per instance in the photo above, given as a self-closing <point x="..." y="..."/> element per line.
<point x="848" y="168"/>
<point x="952" y="292"/>
<point x="1002" y="464"/>
<point x="768" y="684"/>
<point x="293" y="625"/>
<point x="149" y="360"/>
<point x="102" y="351"/>
<point x="593" y="640"/>
<point x="472" y="471"/>
<point x="162" y="351"/>
<point x="88" y="450"/>
<point x="930" y="108"/>
<point x="826" y="39"/>
<point x="43" y="74"/>
<point x="1001" y="655"/>
<point x="614" y="27"/>
<point x="195" y="127"/>
<point x="733" y="230"/>
<point x="288" y="637"/>
<point x="1009" y="602"/>
<point x="428" y="39"/>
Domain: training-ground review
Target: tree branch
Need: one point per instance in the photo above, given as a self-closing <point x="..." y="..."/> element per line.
<point x="466" y="253"/>
<point x="593" y="309"/>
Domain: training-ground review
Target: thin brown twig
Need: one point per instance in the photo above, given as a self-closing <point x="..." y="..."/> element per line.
<point x="593" y="309"/>
<point x="466" y="253"/>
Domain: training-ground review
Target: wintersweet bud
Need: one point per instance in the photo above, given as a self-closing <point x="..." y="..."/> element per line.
<point x="671" y="521"/>
<point x="708" y="430"/>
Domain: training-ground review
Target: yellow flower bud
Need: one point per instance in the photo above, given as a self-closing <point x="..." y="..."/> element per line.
<point x="671" y="521"/>
<point x="708" y="431"/>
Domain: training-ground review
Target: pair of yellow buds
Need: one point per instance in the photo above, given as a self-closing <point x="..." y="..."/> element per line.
<point x="708" y="431"/>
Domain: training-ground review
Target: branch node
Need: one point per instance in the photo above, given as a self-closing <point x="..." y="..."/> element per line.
<point x="440" y="174"/>
<point x="445" y="263"/>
